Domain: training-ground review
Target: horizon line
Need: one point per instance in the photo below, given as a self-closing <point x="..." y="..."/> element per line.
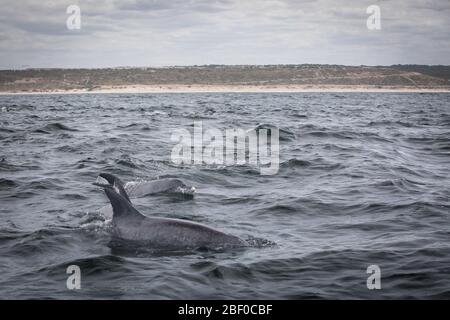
<point x="217" y="65"/>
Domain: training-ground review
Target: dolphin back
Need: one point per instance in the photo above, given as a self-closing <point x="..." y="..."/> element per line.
<point x="166" y="185"/>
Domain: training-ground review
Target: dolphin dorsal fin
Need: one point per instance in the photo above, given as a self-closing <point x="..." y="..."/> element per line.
<point x="121" y="206"/>
<point x="116" y="183"/>
<point x="118" y="186"/>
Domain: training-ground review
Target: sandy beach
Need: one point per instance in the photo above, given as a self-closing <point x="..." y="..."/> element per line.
<point x="176" y="88"/>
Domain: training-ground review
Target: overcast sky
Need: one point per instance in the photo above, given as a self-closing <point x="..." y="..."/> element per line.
<point x="187" y="32"/>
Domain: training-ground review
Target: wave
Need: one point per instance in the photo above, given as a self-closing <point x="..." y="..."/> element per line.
<point x="7" y="166"/>
<point x="7" y="184"/>
<point x="295" y="163"/>
<point x="91" y="266"/>
<point x="388" y="123"/>
<point x="6" y="130"/>
<point x="135" y="126"/>
<point x="284" y="134"/>
<point x="328" y="134"/>
<point x="54" y="127"/>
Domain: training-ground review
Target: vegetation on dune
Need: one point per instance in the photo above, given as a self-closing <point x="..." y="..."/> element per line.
<point x="32" y="80"/>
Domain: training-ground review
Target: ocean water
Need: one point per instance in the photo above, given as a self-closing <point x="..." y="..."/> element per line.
<point x="363" y="180"/>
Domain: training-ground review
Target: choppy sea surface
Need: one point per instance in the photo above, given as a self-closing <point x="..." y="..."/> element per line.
<point x="363" y="180"/>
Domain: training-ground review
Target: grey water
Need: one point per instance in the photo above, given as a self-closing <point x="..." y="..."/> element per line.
<point x="363" y="180"/>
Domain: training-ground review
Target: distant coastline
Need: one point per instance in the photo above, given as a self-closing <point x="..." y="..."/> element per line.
<point x="218" y="78"/>
<point x="236" y="89"/>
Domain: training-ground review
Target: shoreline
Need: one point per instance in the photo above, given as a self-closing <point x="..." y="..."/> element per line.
<point x="177" y="88"/>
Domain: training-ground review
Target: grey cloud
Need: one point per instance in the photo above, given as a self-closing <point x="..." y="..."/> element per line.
<point x="178" y="32"/>
<point x="193" y="5"/>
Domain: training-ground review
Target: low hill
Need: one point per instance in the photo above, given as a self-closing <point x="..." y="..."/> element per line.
<point x="49" y="80"/>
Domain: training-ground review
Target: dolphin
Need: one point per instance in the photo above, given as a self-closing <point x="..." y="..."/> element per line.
<point x="137" y="189"/>
<point x="131" y="226"/>
<point x="142" y="189"/>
